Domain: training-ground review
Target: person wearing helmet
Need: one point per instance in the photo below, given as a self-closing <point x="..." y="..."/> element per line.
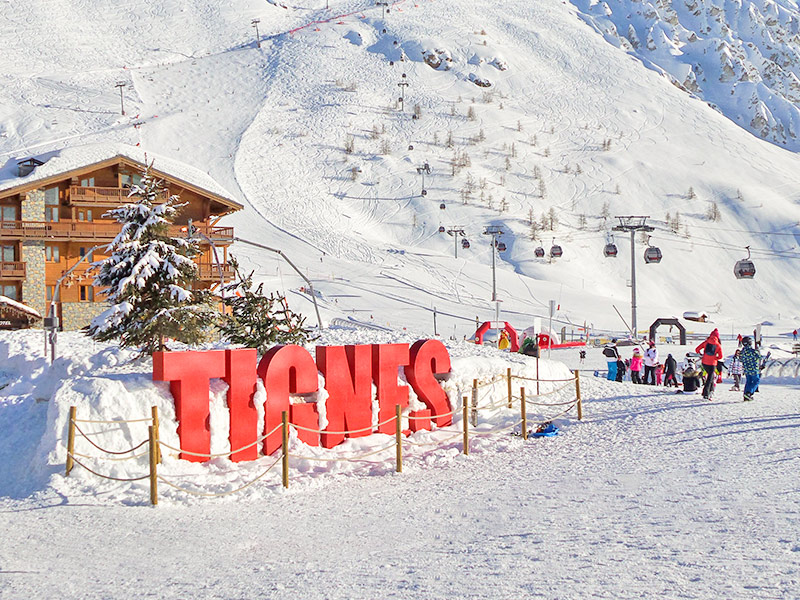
<point x="751" y="364"/>
<point x="711" y="351"/>
<point x="612" y="356"/>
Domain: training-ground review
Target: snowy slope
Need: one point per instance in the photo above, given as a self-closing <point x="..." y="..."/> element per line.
<point x="271" y="126"/>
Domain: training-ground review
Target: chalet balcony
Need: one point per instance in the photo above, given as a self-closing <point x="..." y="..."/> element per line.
<point x="12" y="270"/>
<point x="97" y="231"/>
<point x="104" y="196"/>
<point x="210" y="272"/>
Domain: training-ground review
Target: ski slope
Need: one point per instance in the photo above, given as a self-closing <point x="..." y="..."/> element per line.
<point x="270" y="125"/>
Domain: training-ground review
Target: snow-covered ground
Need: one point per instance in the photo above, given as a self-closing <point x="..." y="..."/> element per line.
<point x="652" y="494"/>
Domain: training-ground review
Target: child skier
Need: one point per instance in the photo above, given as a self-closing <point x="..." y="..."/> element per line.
<point x="751" y="363"/>
<point x="636" y="366"/>
<point x="736" y="369"/>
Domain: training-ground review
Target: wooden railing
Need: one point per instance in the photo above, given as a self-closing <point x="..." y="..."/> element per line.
<point x="104" y="196"/>
<point x="12" y="270"/>
<point x="211" y="272"/>
<point x="96" y="231"/>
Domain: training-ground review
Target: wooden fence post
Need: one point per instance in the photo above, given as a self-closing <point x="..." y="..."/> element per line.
<point x="285" y="447"/>
<point x="398" y="434"/>
<point x="153" y="465"/>
<point x="154" y="413"/>
<point x="466" y="426"/>
<point x="474" y="414"/>
<point x="510" y="396"/>
<point x="523" y="413"/>
<point x="70" y="439"/>
<point x="578" y="394"/>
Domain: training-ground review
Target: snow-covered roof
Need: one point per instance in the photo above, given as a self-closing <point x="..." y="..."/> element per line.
<point x="78" y="157"/>
<point x="5" y="301"/>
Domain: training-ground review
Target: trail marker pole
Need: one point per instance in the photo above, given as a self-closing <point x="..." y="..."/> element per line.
<point x="154" y="414"/>
<point x="466" y="425"/>
<point x="153" y="465"/>
<point x="285" y="448"/>
<point x="71" y="439"/>
<point x="474" y="414"/>
<point x="508" y="381"/>
<point x="398" y="434"/>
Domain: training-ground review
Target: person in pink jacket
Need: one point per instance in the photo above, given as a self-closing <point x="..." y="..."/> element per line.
<point x="636" y="366"/>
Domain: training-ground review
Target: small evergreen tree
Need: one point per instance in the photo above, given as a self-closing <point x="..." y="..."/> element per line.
<point x="257" y="321"/>
<point x="149" y="277"/>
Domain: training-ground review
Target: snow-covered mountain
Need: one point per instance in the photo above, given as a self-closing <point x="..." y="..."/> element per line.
<point x="523" y="112"/>
<point x="740" y="56"/>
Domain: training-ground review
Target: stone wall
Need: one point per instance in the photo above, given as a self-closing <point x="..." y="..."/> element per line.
<point x="33" y="287"/>
<point x="33" y="206"/>
<point x="77" y="315"/>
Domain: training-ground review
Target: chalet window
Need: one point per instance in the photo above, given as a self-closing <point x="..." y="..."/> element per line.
<point x="8" y="213"/>
<point x="85" y="214"/>
<point x="7" y="253"/>
<point x="126" y="179"/>
<point x="51" y="204"/>
<point x="89" y="182"/>
<point x="87" y="293"/>
<point x="52" y="253"/>
<point x="82" y="252"/>
<point x="9" y="291"/>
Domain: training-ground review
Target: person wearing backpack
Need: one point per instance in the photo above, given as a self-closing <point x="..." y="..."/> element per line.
<point x="612" y="356"/>
<point x="650" y="362"/>
<point x="711" y="351"/>
<point x="691" y="374"/>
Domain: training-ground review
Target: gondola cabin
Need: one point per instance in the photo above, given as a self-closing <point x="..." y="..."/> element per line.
<point x="465" y="244"/>
<point x="539" y="252"/>
<point x="556" y="251"/>
<point x="744" y="269"/>
<point x="501" y="246"/>
<point x="652" y="254"/>
<point x="610" y="251"/>
<point x="441" y="228"/>
<point x="442" y="206"/>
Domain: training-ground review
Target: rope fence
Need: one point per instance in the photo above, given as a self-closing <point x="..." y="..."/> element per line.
<point x="469" y="411"/>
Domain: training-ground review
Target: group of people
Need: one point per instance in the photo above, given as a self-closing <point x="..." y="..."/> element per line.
<point x="644" y="367"/>
<point x="746" y="361"/>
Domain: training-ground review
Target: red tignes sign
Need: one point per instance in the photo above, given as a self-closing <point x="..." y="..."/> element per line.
<point x="349" y="373"/>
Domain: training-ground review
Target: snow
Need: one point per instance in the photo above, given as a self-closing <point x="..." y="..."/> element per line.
<point x="20" y="307"/>
<point x="652" y="493"/>
<point x="79" y="156"/>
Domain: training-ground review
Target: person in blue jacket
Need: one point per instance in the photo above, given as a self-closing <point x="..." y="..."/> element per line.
<point x="751" y="362"/>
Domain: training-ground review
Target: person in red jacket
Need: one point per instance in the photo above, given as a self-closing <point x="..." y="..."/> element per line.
<point x="711" y="351"/>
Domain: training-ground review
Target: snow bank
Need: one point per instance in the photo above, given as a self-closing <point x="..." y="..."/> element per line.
<point x="111" y="387"/>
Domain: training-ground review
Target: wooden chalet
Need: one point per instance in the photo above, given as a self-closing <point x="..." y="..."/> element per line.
<point x="51" y="215"/>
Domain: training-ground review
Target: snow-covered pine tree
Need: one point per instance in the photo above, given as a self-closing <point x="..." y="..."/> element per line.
<point x="258" y="321"/>
<point x="149" y="276"/>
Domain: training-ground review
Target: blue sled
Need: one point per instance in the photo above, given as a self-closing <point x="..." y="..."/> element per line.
<point x="549" y="431"/>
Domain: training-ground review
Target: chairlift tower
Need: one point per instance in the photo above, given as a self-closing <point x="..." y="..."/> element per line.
<point x="455" y="231"/>
<point x="121" y="85"/>
<point x="403" y="85"/>
<point x="494" y="231"/>
<point x="384" y="5"/>
<point x="423" y="170"/>
<point x="632" y="224"/>
<point x="255" y="23"/>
